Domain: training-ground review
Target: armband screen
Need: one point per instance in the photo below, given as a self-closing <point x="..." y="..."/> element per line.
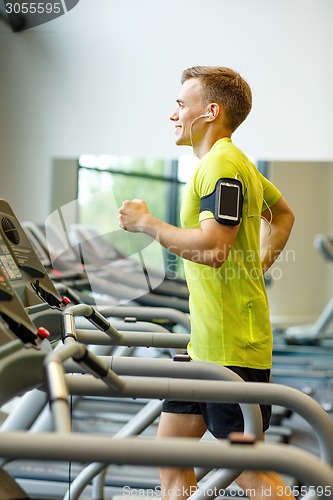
<point x="225" y="202"/>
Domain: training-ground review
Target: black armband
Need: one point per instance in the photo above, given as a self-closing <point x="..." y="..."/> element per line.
<point x="225" y="202"/>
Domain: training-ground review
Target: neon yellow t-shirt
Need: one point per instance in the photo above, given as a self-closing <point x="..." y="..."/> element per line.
<point x="230" y="322"/>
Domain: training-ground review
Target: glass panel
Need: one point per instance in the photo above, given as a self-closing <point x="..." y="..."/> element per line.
<point x="126" y="164"/>
<point x="105" y="181"/>
<point x="102" y="191"/>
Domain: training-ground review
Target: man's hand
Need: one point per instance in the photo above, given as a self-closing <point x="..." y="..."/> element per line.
<point x="132" y="215"/>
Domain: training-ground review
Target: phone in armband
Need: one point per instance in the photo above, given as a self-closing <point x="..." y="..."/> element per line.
<point x="229" y="201"/>
<point x="225" y="202"/>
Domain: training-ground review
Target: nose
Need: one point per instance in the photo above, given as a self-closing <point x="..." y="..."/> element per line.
<point x="174" y="117"/>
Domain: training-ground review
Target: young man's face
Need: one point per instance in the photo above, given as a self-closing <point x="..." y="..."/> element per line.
<point x="189" y="107"/>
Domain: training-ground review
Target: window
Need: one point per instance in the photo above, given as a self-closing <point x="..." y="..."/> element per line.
<point x="106" y="181"/>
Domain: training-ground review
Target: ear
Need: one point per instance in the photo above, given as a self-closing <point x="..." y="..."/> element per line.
<point x="213" y="110"/>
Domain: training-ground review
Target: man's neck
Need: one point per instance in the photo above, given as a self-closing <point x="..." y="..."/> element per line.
<point x="208" y="141"/>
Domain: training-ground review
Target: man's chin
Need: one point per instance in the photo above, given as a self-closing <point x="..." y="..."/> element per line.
<point x="182" y="142"/>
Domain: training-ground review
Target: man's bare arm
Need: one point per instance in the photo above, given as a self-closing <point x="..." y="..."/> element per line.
<point x="274" y="236"/>
<point x="210" y="244"/>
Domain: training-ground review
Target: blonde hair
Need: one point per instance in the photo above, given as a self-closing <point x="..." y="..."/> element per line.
<point x="225" y="87"/>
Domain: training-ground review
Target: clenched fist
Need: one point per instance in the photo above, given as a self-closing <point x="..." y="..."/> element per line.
<point x="132" y="215"/>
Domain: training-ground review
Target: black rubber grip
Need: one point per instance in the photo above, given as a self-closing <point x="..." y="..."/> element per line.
<point x="93" y="364"/>
<point x="97" y="319"/>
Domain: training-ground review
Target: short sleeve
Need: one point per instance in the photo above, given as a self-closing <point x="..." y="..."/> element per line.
<point x="207" y="175"/>
<point x="271" y="194"/>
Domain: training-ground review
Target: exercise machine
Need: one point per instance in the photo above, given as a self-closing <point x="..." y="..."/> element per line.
<point x="58" y="445"/>
<point x="316" y="333"/>
<point x="101" y="277"/>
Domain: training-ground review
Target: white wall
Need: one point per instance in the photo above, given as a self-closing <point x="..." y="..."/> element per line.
<point x="103" y="79"/>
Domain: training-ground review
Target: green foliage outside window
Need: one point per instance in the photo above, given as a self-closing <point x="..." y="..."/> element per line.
<point x="102" y="191"/>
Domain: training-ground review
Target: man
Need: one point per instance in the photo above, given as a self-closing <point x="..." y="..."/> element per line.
<point x="235" y="223"/>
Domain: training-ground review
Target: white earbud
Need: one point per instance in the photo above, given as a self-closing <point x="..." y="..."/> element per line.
<point x="204" y="116"/>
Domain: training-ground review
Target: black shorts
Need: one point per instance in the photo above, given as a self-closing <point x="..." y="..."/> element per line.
<point x="223" y="418"/>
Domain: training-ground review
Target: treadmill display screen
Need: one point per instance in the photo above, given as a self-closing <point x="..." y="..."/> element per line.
<point x="8" y="264"/>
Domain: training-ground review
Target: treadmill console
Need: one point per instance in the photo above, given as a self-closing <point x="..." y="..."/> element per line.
<point x="14" y="314"/>
<point x="20" y="263"/>
<point x="25" y="286"/>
